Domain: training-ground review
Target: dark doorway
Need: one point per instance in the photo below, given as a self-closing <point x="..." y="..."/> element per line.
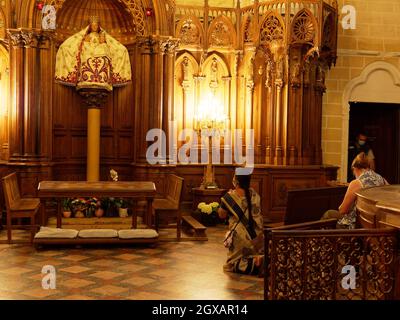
<point x="381" y="123"/>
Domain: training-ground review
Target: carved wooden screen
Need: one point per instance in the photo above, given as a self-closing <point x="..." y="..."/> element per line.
<point x="307" y="264"/>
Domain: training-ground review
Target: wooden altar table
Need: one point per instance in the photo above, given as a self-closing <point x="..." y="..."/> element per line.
<point x="103" y="189"/>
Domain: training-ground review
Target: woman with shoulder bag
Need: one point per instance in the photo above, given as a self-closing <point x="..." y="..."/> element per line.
<point x="245" y="236"/>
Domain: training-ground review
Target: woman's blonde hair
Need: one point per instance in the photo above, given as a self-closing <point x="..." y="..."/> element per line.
<point x="361" y="161"/>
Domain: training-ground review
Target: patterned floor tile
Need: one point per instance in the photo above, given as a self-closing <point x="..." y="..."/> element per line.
<point x="106" y="275"/>
<point x="77" y="297"/>
<point x="15" y="271"/>
<point x="77" y="283"/>
<point x="171" y="270"/>
<point x="139" y="281"/>
<point x="109" y="290"/>
<point x="75" y="269"/>
<point x="39" y="293"/>
<point x="74" y="257"/>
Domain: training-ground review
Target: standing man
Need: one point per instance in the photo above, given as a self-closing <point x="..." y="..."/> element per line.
<point x="359" y="145"/>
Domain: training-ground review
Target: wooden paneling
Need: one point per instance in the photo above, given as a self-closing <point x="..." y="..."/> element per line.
<point x="272" y="183"/>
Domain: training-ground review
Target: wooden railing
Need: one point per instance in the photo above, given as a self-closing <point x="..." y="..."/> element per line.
<point x="305" y="262"/>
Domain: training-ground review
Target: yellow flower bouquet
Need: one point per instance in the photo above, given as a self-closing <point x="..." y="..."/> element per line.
<point x="208" y="213"/>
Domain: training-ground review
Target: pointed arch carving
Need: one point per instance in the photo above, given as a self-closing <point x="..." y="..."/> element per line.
<point x="191" y="60"/>
<point x="190" y="31"/>
<point x="222" y="33"/>
<point x="272" y="28"/>
<point x="304" y="28"/>
<point x="221" y="63"/>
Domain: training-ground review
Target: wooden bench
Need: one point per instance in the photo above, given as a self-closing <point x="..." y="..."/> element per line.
<point x="17" y="207"/>
<point x="305" y="205"/>
<point x="170" y="205"/>
<point x="54" y="236"/>
<point x="197" y="227"/>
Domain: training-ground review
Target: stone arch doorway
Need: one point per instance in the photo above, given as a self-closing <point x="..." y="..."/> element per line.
<point x="378" y="83"/>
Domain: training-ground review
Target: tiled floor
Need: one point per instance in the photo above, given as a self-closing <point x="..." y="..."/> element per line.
<point x="171" y="270"/>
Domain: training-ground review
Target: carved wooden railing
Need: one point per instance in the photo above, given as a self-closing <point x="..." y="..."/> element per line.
<point x="305" y="262"/>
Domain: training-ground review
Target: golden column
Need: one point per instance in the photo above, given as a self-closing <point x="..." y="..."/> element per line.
<point x="94" y="99"/>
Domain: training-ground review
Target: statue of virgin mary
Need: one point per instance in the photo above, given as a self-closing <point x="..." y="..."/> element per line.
<point x="92" y="59"/>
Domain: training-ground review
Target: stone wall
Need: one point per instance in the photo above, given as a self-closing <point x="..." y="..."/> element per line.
<point x="376" y="38"/>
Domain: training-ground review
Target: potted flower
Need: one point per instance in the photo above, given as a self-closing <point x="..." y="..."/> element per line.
<point x="209" y="216"/>
<point x="91" y="204"/>
<point x="122" y="206"/>
<point x="99" y="211"/>
<point x="79" y="206"/>
<point x="66" y="205"/>
<point x="108" y="206"/>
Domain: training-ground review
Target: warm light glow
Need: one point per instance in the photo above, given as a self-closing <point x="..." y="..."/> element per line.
<point x="210" y="113"/>
<point x="3" y="86"/>
<point x="2" y="93"/>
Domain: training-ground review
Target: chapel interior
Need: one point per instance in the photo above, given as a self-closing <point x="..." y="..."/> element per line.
<point x="135" y="116"/>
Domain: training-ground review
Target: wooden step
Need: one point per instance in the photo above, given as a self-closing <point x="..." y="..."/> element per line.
<point x="192" y="223"/>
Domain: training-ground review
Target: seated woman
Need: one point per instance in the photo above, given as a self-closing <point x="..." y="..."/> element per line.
<point x="242" y="207"/>
<point x="364" y="178"/>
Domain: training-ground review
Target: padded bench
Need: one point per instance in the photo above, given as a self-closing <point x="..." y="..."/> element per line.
<point x="94" y="236"/>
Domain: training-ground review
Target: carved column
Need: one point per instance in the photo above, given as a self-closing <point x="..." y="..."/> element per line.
<point x="26" y="82"/>
<point x="146" y="46"/>
<point x="269" y="154"/>
<point x="295" y="116"/>
<point x="279" y="127"/>
<point x="170" y="46"/>
<point x="249" y="111"/>
<point x="94" y="99"/>
<point x="306" y="106"/>
<point x="320" y="89"/>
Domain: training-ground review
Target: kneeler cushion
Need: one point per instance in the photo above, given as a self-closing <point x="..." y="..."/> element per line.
<point x="98" y="233"/>
<point x="46" y="232"/>
<point x="137" y="234"/>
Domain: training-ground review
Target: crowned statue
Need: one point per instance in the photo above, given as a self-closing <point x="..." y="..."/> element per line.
<point x="92" y="59"/>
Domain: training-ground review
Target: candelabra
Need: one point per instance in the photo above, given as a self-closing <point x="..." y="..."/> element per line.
<point x="208" y="125"/>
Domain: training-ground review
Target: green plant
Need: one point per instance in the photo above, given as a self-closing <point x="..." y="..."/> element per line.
<point x="66" y="204"/>
<point x="121" y="203"/>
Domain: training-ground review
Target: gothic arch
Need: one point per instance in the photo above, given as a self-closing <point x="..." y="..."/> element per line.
<point x="378" y="82"/>
<point x="222" y="33"/>
<point x="272" y="28"/>
<point x="190" y="31"/>
<point x="304" y="28"/>
<point x="221" y="62"/>
<point x="192" y="61"/>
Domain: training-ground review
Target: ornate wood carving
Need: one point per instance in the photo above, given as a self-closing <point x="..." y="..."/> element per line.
<point x="308" y="267"/>
<point x="135" y="7"/>
<point x="303" y="28"/>
<point x="189" y="32"/>
<point x="269" y="77"/>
